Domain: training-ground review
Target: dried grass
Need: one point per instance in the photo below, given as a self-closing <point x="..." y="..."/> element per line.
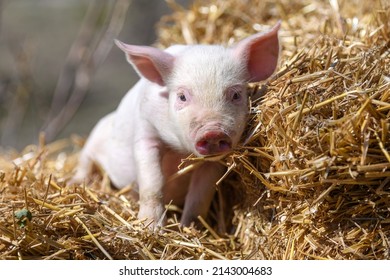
<point x="313" y="174"/>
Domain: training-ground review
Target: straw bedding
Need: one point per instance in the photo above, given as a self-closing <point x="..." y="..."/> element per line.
<point x="310" y="181"/>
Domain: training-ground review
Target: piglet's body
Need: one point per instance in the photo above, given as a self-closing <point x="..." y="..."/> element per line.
<point x="190" y="99"/>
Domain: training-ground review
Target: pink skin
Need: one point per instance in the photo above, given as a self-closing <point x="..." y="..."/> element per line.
<point x="211" y="137"/>
<point x="189" y="100"/>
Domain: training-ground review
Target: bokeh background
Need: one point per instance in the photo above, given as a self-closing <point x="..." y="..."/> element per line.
<point x="59" y="69"/>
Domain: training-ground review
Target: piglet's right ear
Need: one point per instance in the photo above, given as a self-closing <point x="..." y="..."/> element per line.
<point x="260" y="52"/>
<point x="151" y="63"/>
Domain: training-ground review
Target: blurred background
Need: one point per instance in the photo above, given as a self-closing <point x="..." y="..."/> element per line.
<point x="59" y="69"/>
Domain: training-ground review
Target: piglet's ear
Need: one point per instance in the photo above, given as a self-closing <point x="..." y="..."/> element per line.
<point x="151" y="63"/>
<point x="260" y="52"/>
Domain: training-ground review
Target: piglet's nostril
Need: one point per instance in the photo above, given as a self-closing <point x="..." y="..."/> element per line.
<point x="225" y="145"/>
<point x="213" y="142"/>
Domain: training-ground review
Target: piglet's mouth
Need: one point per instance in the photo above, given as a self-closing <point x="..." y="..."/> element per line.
<point x="213" y="142"/>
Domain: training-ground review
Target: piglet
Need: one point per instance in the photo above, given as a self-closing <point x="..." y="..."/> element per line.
<point x="189" y="100"/>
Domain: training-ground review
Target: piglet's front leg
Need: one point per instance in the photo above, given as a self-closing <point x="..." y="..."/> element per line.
<point x="201" y="191"/>
<point x="150" y="182"/>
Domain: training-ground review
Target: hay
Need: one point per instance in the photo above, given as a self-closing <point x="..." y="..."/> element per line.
<point x="313" y="172"/>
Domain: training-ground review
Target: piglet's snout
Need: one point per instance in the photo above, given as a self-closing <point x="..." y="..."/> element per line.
<point x="213" y="142"/>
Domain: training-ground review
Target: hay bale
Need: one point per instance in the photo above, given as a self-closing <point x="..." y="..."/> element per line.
<point x="313" y="169"/>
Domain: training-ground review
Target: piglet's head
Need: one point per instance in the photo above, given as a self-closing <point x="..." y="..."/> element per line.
<point x="208" y="102"/>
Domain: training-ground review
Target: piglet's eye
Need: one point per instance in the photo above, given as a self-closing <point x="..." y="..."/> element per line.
<point x="236" y="96"/>
<point x="182" y="97"/>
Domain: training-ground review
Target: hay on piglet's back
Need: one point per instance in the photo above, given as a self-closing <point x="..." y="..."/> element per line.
<point x="313" y="172"/>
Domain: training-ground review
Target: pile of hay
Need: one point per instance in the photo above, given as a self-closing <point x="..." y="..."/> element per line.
<point x="313" y="172"/>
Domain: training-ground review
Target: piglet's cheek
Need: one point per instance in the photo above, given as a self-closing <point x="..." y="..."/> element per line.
<point x="179" y="106"/>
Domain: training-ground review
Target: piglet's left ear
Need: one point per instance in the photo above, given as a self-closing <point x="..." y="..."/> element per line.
<point x="260" y="52"/>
